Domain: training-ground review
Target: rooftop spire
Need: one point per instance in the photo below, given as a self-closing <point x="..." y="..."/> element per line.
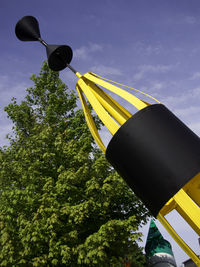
<point x="156" y="243"/>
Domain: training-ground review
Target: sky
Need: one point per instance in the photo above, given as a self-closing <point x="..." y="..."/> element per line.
<point x="151" y="45"/>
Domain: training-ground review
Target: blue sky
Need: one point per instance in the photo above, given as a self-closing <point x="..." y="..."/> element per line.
<point x="152" y="45"/>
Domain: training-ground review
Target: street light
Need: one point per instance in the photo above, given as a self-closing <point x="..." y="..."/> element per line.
<point x="155" y="153"/>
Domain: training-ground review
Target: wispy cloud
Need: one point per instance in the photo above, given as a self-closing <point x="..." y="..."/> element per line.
<point x="85" y="51"/>
<point x="174" y="101"/>
<point x="186" y="107"/>
<point x="188" y="111"/>
<point x="190" y="20"/>
<point x="105" y="70"/>
<point x="195" y="76"/>
<point x="147" y="49"/>
<point x="183" y="20"/>
<point x="9" y="88"/>
<point x="146" y="69"/>
<point x="186" y="97"/>
<point x="157" y="85"/>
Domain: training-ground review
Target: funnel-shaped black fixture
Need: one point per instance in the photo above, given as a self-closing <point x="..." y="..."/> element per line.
<point x="59" y="56"/>
<point x="27" y="29"/>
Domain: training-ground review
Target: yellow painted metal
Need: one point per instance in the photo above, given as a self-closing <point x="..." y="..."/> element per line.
<point x="112" y="114"/>
<point x="90" y="121"/>
<point x="188" y="210"/>
<point x="78" y="75"/>
<point x="107" y="120"/>
<point x="139" y="104"/>
<point x="125" y="111"/>
<point x="108" y="104"/>
<point x="178" y="239"/>
<point x="192" y="188"/>
<point x="129" y="88"/>
<point x="169" y="206"/>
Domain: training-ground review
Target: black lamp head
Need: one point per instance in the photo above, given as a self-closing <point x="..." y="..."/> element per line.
<point x="59" y="56"/>
<point x="27" y="29"/>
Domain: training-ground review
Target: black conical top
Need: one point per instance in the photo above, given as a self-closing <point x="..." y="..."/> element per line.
<point x="27" y="29"/>
<point x="59" y="56"/>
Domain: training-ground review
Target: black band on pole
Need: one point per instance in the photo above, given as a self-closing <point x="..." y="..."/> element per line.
<point x="156" y="154"/>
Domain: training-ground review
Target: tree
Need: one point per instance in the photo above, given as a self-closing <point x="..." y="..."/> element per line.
<point x="61" y="203"/>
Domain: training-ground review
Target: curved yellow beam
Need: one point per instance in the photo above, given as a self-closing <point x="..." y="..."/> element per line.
<point x="90" y="121"/>
<point x="139" y="104"/>
<point x="123" y="85"/>
<point x="111" y="113"/>
<point x="107" y="120"/>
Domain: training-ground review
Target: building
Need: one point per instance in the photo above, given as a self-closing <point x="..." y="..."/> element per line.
<point x="158" y="250"/>
<point x="189" y="263"/>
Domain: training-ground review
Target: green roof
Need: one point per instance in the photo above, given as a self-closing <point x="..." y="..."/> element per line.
<point x="156" y="243"/>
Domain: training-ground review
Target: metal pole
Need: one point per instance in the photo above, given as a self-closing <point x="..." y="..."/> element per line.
<point x="72" y="69"/>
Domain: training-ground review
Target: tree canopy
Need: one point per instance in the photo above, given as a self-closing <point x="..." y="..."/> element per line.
<point x="61" y="203"/>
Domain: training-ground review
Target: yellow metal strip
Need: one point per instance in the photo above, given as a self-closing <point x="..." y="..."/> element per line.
<point x="90" y="121"/>
<point x="111" y="125"/>
<point x="188" y="210"/>
<point x="106" y="102"/>
<point x="139" y="104"/>
<point x="78" y="75"/>
<point x="179" y="240"/>
<point x="169" y="206"/>
<point x="192" y="188"/>
<point x="127" y="87"/>
<point x="125" y="111"/>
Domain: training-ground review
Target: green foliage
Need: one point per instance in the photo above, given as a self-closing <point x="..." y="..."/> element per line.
<point x="61" y="203"/>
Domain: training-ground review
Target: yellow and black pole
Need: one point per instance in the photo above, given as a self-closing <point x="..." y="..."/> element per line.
<point x="155" y="153"/>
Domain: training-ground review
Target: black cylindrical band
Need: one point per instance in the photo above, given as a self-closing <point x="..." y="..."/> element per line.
<point x="156" y="154"/>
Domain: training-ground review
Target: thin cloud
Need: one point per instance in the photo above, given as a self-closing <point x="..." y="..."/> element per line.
<point x="85" y="51"/>
<point x="157" y="85"/>
<point x="147" y="49"/>
<point x="9" y="89"/>
<point x="195" y="93"/>
<point x="174" y="101"/>
<point x="186" y="97"/>
<point x="195" y="76"/>
<point x="155" y="50"/>
<point x="146" y="69"/>
<point x="183" y="20"/>
<point x="105" y="70"/>
<point x="188" y="111"/>
<point x="190" y="20"/>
